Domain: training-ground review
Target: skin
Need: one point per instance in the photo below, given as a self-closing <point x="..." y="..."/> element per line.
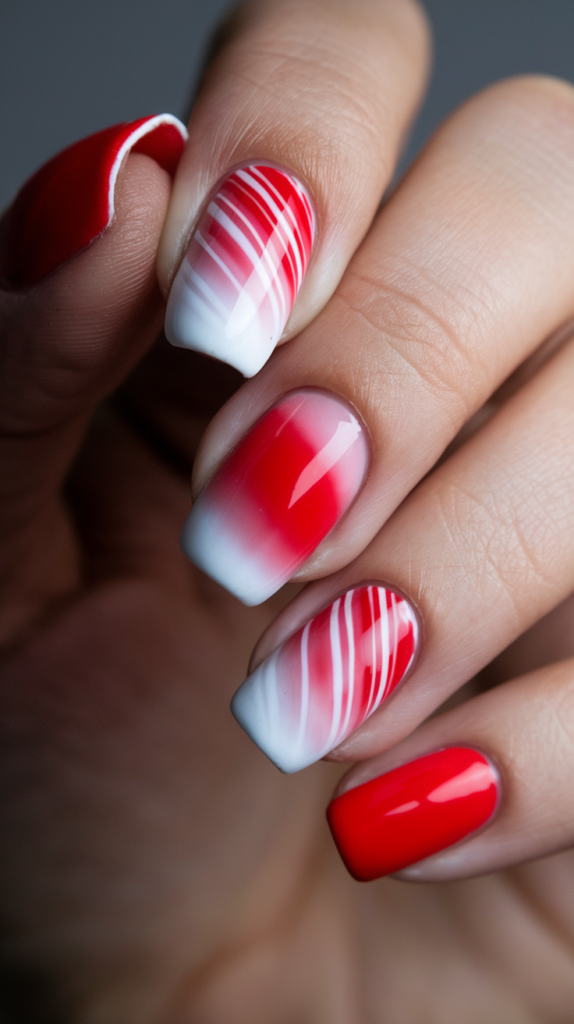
<point x="155" y="868"/>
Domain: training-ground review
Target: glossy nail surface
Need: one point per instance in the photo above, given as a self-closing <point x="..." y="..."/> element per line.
<point x="237" y="283"/>
<point x="323" y="682"/>
<point x="412" y="812"/>
<point x="278" y="494"/>
<point x="70" y="200"/>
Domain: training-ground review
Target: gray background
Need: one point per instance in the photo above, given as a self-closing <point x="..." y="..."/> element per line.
<point x="70" y="67"/>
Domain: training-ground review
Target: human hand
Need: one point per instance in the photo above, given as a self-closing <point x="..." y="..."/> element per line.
<point x="158" y="868"/>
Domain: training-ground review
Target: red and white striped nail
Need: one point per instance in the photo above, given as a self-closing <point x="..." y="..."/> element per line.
<point x="329" y="677"/>
<point x="278" y="494"/>
<point x="239" y="279"/>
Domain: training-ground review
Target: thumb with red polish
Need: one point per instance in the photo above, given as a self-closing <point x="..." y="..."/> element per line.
<point x="79" y="305"/>
<point x="69" y="201"/>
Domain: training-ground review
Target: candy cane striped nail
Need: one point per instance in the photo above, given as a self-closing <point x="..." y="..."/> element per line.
<point x="330" y="676"/>
<point x="278" y="494"/>
<point x="236" y="286"/>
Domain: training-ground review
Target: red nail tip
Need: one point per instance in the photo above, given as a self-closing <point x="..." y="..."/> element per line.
<point x="70" y="200"/>
<point x="412" y="812"/>
<point x="278" y="494"/>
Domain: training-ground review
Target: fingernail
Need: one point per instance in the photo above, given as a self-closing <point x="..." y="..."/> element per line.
<point x="323" y="682"/>
<point x="70" y="200"/>
<point x="277" y="495"/>
<point x="412" y="812"/>
<point x="237" y="283"/>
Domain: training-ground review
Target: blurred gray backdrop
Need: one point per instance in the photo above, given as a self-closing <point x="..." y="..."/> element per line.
<point x="70" y="67"/>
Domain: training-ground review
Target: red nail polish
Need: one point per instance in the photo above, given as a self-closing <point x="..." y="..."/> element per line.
<point x="412" y="812"/>
<point x="278" y="494"/>
<point x="70" y="200"/>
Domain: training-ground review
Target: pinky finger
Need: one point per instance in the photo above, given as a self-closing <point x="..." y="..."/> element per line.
<point x="480" y="788"/>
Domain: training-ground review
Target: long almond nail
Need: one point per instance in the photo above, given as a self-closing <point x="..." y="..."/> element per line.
<point x="278" y="494"/>
<point x="412" y="812"/>
<point x="70" y="200"/>
<point x="329" y="677"/>
<point x="239" y="279"/>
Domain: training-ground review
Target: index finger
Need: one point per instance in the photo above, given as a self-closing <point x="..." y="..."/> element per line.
<point x="294" y="138"/>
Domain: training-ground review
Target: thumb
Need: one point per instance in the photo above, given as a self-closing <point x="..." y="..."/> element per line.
<point x="79" y="304"/>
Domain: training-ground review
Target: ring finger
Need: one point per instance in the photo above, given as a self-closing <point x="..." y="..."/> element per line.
<point x="482" y="549"/>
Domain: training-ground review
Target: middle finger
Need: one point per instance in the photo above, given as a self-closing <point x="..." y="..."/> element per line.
<point x="466" y="270"/>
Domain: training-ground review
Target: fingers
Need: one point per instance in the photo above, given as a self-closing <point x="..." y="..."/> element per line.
<point x="468" y="268"/>
<point x="293" y="140"/>
<point x="501" y="763"/>
<point x="479" y="552"/>
<point x="80" y="305"/>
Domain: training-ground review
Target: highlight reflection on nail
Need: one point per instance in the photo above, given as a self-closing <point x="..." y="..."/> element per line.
<point x="329" y="677"/>
<point x="239" y="279"/>
<point x="278" y="494"/>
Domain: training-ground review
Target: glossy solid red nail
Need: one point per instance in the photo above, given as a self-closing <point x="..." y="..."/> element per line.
<point x="412" y="812"/>
<point x="70" y="200"/>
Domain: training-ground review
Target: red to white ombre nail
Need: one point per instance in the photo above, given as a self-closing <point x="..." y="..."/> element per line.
<point x="237" y="283"/>
<point x="329" y="677"/>
<point x="278" y="494"/>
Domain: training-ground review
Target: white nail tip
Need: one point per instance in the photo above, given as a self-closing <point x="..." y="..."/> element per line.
<point x="216" y="552"/>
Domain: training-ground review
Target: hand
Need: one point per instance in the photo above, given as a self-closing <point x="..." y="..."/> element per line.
<point x="157" y="868"/>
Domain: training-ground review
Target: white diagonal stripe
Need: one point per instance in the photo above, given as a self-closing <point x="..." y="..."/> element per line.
<point x="348" y="609"/>
<point x="393" y="653"/>
<point x="337" y="672"/>
<point x="374" y="646"/>
<point x="384" y="650"/>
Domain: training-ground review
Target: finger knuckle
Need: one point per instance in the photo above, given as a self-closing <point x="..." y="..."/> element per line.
<point x="419" y="338"/>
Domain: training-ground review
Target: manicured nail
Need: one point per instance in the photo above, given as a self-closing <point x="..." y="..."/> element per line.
<point x="277" y="495"/>
<point x="236" y="286"/>
<point x="323" y="682"/>
<point x="412" y="812"/>
<point x="70" y="200"/>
